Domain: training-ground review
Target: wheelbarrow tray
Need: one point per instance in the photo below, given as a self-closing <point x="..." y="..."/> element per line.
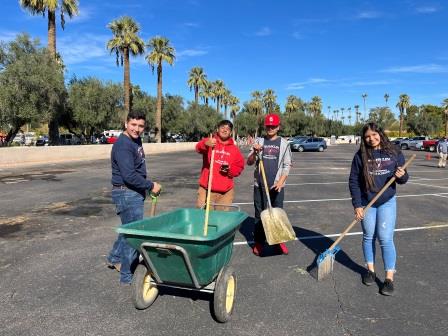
<point x="171" y="241"/>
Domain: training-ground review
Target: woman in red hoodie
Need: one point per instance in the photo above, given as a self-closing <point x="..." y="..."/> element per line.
<point x="228" y="163"/>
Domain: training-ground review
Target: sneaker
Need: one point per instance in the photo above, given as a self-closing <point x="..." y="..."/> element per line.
<point x="368" y="278"/>
<point x="257" y="249"/>
<point x="388" y="287"/>
<point x="282" y="248"/>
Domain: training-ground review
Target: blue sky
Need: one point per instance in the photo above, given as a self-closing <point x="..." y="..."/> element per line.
<point x="335" y="49"/>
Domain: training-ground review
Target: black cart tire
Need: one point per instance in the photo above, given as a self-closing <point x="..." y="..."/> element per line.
<point x="224" y="295"/>
<point x="144" y="293"/>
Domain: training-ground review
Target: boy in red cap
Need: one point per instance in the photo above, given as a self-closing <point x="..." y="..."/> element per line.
<point x="276" y="156"/>
<point x="228" y="163"/>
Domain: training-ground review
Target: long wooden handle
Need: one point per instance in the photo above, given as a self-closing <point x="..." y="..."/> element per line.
<point x="265" y="182"/>
<point x="383" y="189"/>
<point x="209" y="191"/>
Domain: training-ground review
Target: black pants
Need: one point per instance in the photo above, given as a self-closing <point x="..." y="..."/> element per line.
<point x="260" y="204"/>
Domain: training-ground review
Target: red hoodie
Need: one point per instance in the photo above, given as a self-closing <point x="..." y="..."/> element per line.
<point x="224" y="154"/>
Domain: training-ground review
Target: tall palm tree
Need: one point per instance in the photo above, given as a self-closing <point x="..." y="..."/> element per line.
<point x="386" y="97"/>
<point x="49" y="7"/>
<point x="357" y="113"/>
<point x="315" y="106"/>
<point x="205" y="91"/>
<point x="40" y="7"/>
<point x="329" y="111"/>
<point x="219" y="90"/>
<point x="364" y="96"/>
<point x="269" y="99"/>
<point x="403" y="104"/>
<point x="160" y="51"/>
<point x="125" y="41"/>
<point x="234" y="108"/>
<point x="342" y="114"/>
<point x="334" y="115"/>
<point x="226" y="101"/>
<point x="256" y="105"/>
<point x="196" y="79"/>
<point x="349" y="115"/>
<point x="445" y="107"/>
<point x="292" y="104"/>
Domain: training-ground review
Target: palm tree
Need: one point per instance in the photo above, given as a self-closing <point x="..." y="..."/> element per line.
<point x="334" y="115"/>
<point x="160" y="51"/>
<point x="197" y="79"/>
<point x="256" y="105"/>
<point x="219" y="90"/>
<point x="349" y="115"/>
<point x="357" y="113"/>
<point x="386" y="97"/>
<point x="234" y="108"/>
<point x="329" y="111"/>
<point x="445" y="107"/>
<point x="206" y="92"/>
<point x="403" y="104"/>
<point x="269" y="99"/>
<point x="40" y="7"/>
<point x="226" y="101"/>
<point x="315" y="106"/>
<point x="342" y="114"/>
<point x="125" y="41"/>
<point x="364" y="96"/>
<point x="292" y="104"/>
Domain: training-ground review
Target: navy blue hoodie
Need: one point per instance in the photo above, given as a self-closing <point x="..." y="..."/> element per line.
<point x="384" y="169"/>
<point x="129" y="165"/>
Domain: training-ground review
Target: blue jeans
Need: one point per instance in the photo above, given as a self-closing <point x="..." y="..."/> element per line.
<point x="380" y="222"/>
<point x="129" y="206"/>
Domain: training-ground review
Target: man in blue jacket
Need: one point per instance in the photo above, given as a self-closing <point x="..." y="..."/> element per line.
<point x="129" y="189"/>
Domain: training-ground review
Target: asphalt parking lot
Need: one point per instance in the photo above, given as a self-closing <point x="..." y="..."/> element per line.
<point x="57" y="224"/>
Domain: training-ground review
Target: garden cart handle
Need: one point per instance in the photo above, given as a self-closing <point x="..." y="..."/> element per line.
<point x="383" y="189"/>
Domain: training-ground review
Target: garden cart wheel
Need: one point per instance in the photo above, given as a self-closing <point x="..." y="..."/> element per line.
<point x="144" y="292"/>
<point x="224" y="296"/>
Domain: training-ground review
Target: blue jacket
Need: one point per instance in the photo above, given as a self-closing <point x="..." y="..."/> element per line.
<point x="129" y="165"/>
<point x="385" y="167"/>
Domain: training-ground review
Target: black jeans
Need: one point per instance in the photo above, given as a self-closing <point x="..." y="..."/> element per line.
<point x="260" y="204"/>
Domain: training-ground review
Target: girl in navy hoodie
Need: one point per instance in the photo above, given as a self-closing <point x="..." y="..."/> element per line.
<point x="373" y="165"/>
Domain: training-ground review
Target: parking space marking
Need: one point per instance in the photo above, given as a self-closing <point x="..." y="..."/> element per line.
<point x="310" y="183"/>
<point x="324" y="173"/>
<point x="343" y="199"/>
<point x="427" y="185"/>
<point x="441" y="196"/>
<point x="358" y="233"/>
<point x="427" y="179"/>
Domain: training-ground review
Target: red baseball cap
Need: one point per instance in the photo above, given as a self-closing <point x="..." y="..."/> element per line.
<point x="272" y="120"/>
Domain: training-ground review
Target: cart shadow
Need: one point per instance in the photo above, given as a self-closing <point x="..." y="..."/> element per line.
<point x="318" y="243"/>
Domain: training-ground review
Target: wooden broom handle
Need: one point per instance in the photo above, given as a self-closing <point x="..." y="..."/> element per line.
<point x="383" y="189"/>
<point x="209" y="190"/>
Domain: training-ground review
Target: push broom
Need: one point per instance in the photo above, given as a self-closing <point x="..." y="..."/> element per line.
<point x="326" y="259"/>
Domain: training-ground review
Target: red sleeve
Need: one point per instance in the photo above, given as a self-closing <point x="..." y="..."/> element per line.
<point x="237" y="165"/>
<point x="201" y="147"/>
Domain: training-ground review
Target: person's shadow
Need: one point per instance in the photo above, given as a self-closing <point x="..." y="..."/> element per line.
<point x="315" y="241"/>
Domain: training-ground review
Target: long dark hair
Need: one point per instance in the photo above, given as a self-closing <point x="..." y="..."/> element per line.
<point x="368" y="161"/>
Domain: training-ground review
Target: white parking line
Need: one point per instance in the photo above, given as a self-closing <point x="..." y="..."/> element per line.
<point x="323" y="173"/>
<point x="356" y="233"/>
<point x="310" y="183"/>
<point x="343" y="199"/>
<point x="427" y="185"/>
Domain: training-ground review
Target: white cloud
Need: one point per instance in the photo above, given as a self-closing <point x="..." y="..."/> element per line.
<point x="265" y="31"/>
<point x="423" y="68"/>
<point x="298" y="36"/>
<point x="191" y="24"/>
<point x="191" y="53"/>
<point x="311" y="81"/>
<point x="8" y="36"/>
<point x="85" y="13"/>
<point x="368" y="15"/>
<point x="427" y="9"/>
<point x="369" y="83"/>
<point x="81" y="48"/>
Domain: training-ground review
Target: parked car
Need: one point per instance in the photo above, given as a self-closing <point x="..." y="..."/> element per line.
<point x="412" y="142"/>
<point x="297" y="139"/>
<point x="398" y="141"/>
<point x="309" y="144"/>
<point x="42" y="141"/>
<point x="69" y="139"/>
<point x="430" y="145"/>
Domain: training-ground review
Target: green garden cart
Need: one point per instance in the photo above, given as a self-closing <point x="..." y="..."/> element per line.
<point x="176" y="254"/>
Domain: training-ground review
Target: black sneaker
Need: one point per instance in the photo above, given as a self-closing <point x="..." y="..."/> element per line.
<point x="388" y="287"/>
<point x="368" y="278"/>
